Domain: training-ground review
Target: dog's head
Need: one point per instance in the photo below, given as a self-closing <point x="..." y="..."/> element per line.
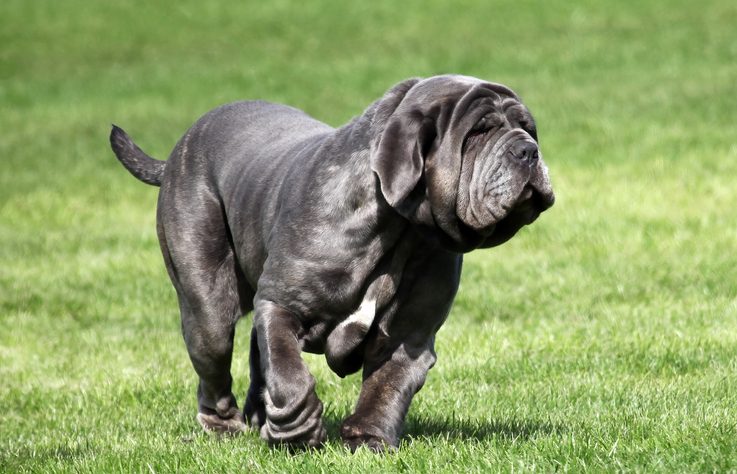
<point x="459" y="158"/>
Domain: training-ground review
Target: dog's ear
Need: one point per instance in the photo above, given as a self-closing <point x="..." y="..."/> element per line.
<point x="400" y="136"/>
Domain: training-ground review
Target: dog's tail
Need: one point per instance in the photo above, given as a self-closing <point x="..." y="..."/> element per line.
<point x="135" y="160"/>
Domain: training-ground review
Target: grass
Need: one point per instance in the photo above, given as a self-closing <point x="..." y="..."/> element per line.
<point x="602" y="338"/>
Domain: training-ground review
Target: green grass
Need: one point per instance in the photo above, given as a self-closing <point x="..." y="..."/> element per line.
<point x="602" y="338"/>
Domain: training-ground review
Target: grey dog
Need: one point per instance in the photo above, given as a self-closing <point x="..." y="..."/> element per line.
<point x="346" y="242"/>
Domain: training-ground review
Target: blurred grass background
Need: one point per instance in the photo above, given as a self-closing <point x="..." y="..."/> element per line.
<point x="604" y="337"/>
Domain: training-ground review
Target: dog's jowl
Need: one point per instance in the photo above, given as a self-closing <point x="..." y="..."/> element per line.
<point x="346" y="242"/>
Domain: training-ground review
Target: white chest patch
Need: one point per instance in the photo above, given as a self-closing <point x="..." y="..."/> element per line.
<point x="363" y="316"/>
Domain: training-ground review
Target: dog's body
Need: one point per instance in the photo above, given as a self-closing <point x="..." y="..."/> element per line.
<point x="346" y="242"/>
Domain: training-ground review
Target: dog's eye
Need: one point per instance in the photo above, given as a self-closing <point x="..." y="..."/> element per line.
<point x="529" y="127"/>
<point x="485" y="123"/>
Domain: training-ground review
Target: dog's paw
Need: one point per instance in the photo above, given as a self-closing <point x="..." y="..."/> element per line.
<point x="213" y="423"/>
<point x="305" y="438"/>
<point x="372" y="443"/>
<point x="308" y="433"/>
<point x="254" y="412"/>
<point x="296" y="425"/>
<point x="354" y="436"/>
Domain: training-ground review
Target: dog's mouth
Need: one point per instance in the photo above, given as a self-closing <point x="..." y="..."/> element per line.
<point x="526" y="208"/>
<point x="526" y="200"/>
<point x="532" y="202"/>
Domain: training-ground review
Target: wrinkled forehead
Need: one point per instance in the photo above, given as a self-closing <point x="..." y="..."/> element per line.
<point x="452" y="89"/>
<point x="471" y="82"/>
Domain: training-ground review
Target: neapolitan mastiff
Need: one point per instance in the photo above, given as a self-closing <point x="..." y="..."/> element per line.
<point x="345" y="241"/>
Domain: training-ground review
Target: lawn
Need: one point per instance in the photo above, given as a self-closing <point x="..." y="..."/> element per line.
<point x="602" y="338"/>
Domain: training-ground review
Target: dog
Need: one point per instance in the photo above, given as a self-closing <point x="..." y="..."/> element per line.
<point x="345" y="242"/>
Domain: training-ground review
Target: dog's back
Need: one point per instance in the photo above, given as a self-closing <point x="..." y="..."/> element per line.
<point x="232" y="133"/>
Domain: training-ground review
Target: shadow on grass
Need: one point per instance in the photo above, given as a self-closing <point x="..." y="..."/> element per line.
<point x="461" y="429"/>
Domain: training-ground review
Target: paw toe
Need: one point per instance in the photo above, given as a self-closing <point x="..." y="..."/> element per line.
<point x="215" y="424"/>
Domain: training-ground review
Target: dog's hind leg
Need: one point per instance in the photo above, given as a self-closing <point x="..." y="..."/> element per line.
<point x="254" y="409"/>
<point x="212" y="295"/>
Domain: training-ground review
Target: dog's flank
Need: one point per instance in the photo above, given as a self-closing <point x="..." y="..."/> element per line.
<point x="144" y="167"/>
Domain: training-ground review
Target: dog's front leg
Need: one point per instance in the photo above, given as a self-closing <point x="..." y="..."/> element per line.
<point x="386" y="394"/>
<point x="397" y="359"/>
<point x="293" y="411"/>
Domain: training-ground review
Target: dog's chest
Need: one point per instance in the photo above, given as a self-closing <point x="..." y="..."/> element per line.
<point x="339" y="334"/>
<point x="341" y="339"/>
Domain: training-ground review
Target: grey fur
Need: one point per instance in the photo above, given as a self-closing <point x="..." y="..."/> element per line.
<point x="345" y="241"/>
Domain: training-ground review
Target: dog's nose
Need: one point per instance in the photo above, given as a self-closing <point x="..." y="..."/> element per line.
<point x="526" y="151"/>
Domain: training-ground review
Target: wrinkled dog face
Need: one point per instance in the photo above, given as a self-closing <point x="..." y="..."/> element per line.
<point x="504" y="182"/>
<point x="459" y="157"/>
